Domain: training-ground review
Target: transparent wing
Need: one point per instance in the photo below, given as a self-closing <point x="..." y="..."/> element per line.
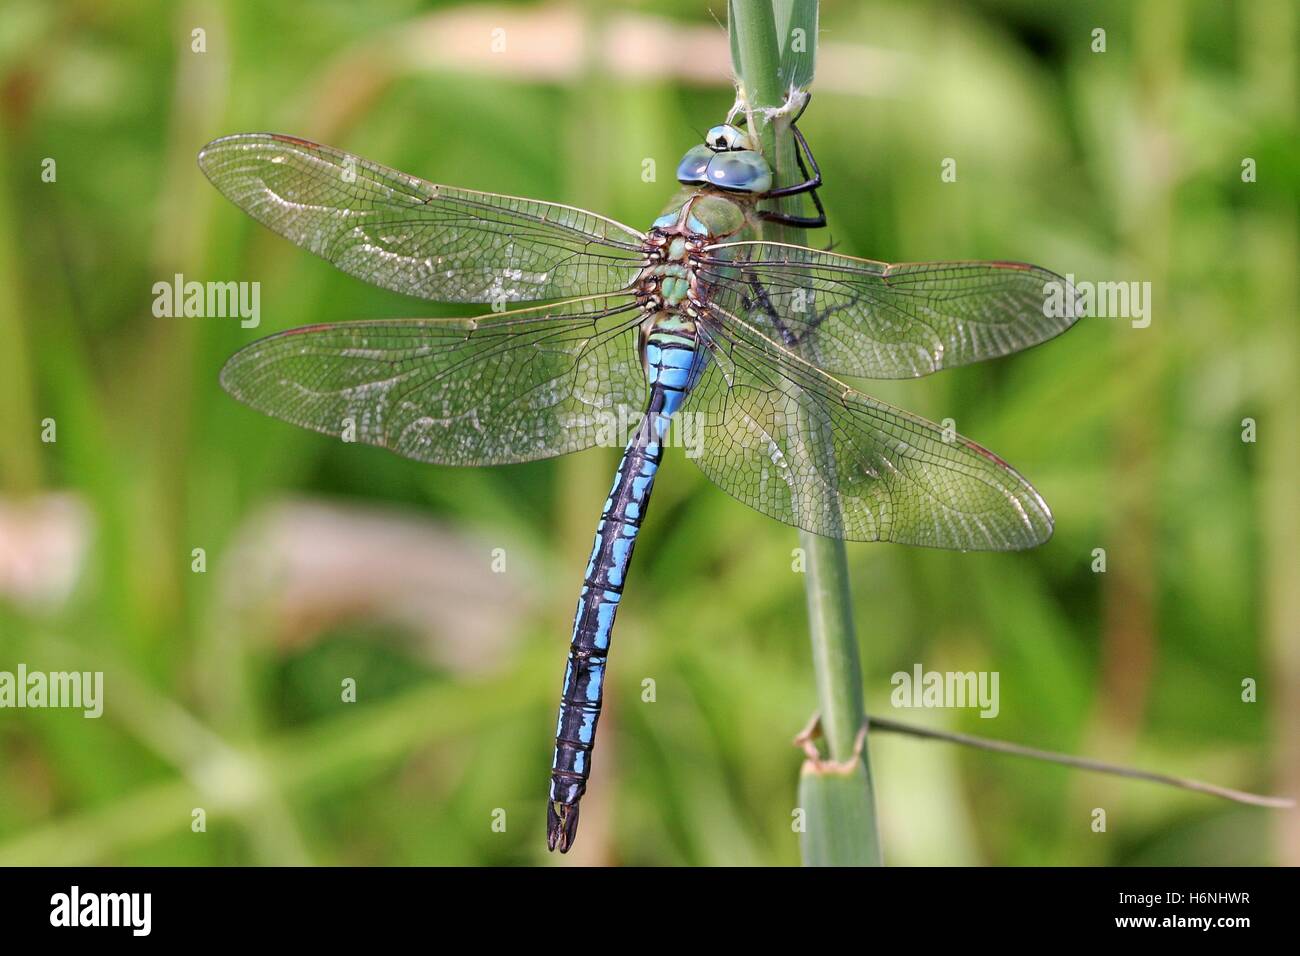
<point x="412" y="236"/>
<point x="799" y="446"/>
<point x="875" y="320"/>
<point x="508" y="387"/>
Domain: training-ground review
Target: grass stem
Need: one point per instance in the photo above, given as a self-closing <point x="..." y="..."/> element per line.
<point x="835" y="795"/>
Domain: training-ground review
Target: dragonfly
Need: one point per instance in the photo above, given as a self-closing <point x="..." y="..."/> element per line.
<point x="695" y="316"/>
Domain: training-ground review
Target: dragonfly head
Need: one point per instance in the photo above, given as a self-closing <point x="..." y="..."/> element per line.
<point x="726" y="160"/>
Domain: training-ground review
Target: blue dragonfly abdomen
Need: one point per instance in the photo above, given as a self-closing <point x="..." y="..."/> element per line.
<point x="673" y="361"/>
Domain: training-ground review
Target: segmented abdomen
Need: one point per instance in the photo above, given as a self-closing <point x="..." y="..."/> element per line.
<point x="672" y="367"/>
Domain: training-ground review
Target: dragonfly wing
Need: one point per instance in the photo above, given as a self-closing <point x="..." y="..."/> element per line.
<point x="802" y="447"/>
<point x="507" y="387"/>
<point x="411" y="236"/>
<point x="875" y="320"/>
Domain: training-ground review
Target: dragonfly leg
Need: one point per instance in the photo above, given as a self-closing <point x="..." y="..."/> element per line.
<point x="763" y="302"/>
<point x="797" y="222"/>
<point x="812" y="181"/>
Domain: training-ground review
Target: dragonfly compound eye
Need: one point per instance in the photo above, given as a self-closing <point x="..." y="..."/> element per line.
<point x="741" y="171"/>
<point x="693" y="169"/>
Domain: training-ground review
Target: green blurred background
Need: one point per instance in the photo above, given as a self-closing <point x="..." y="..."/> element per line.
<point x="323" y="561"/>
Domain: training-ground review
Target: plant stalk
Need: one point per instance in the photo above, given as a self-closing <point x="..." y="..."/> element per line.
<point x="835" y="794"/>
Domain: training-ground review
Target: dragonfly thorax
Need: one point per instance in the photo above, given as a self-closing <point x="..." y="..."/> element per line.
<point x="677" y="245"/>
<point x="668" y="283"/>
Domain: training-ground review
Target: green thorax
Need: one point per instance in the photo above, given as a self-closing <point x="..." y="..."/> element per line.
<point x="696" y="218"/>
<point x="709" y="213"/>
